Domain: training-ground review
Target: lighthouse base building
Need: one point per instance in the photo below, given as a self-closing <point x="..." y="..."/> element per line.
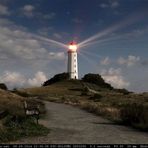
<point x="72" y="61"/>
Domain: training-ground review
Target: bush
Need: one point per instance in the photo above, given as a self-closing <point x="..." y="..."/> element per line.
<point x="96" y="97"/>
<point x="123" y="91"/>
<point x="57" y="78"/>
<point x="3" y="86"/>
<point x="96" y="79"/>
<point x="85" y="91"/>
<point x="136" y="115"/>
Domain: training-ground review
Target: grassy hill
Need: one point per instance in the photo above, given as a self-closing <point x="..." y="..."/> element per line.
<point x="126" y="108"/>
<point x="11" y="103"/>
<point x="13" y="122"/>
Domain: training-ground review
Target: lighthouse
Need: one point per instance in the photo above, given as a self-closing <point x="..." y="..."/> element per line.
<point x="72" y="61"/>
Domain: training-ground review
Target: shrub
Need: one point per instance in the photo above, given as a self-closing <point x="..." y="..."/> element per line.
<point x="96" y="79"/>
<point x="85" y="91"/>
<point x="57" y="78"/>
<point x="135" y="114"/>
<point x="96" y="97"/>
<point x="3" y="86"/>
<point x="123" y="91"/>
<point x="130" y="113"/>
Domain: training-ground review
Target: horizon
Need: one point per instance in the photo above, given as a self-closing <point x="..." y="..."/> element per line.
<point x="112" y="38"/>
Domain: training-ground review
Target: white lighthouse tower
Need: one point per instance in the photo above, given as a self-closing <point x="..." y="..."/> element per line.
<point x="72" y="61"/>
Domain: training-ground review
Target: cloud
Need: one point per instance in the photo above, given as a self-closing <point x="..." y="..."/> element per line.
<point x="57" y="55"/>
<point x="105" y="61"/>
<point x="26" y="50"/>
<point x="144" y="63"/>
<point x="103" y="5"/>
<point x="112" y="4"/>
<point x="57" y="35"/>
<point x="115" y="78"/>
<point x="13" y="79"/>
<point x="49" y="16"/>
<point x="15" y="42"/>
<point x="5" y="22"/>
<point x="39" y="78"/>
<point x="4" y="10"/>
<point x="130" y="61"/>
<point x="77" y="20"/>
<point x="16" y="79"/>
<point x="28" y="10"/>
<point x="45" y="31"/>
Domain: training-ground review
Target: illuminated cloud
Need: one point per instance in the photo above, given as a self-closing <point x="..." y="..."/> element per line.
<point x="13" y="79"/>
<point x="16" y="79"/>
<point x="38" y="80"/>
<point x="115" y="78"/>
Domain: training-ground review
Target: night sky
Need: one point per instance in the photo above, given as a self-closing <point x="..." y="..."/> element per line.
<point x="112" y="36"/>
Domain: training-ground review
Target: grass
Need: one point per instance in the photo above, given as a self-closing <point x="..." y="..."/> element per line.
<point x="13" y="122"/>
<point x="23" y="127"/>
<point x="117" y="105"/>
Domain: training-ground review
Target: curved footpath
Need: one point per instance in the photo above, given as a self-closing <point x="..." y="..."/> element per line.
<point x="71" y="125"/>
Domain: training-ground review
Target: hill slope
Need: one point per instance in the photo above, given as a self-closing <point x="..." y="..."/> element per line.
<point x="128" y="108"/>
<point x="11" y="102"/>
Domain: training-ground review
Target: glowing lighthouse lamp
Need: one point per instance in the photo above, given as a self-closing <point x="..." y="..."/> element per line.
<point x="72" y="61"/>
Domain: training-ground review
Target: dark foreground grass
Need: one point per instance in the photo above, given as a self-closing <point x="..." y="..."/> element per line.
<point x="14" y="129"/>
<point x="136" y="115"/>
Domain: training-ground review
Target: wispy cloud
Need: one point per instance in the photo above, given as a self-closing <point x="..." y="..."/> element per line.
<point x="115" y="78"/>
<point x="57" y="55"/>
<point x="4" y="10"/>
<point x="31" y="11"/>
<point x="77" y="20"/>
<point x="57" y="36"/>
<point x="130" y="61"/>
<point x="105" y="61"/>
<point x="49" y="16"/>
<point x="28" y="10"/>
<point x="111" y="4"/>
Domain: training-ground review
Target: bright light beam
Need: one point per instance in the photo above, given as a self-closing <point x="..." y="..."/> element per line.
<point x="51" y="41"/>
<point x="87" y="59"/>
<point x="93" y="63"/>
<point x="103" y="40"/>
<point x="90" y="54"/>
<point x="121" y="24"/>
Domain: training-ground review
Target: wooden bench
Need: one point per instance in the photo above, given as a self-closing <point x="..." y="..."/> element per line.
<point x="32" y="111"/>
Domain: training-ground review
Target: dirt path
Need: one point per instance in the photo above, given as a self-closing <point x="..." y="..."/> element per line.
<point x="72" y="125"/>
